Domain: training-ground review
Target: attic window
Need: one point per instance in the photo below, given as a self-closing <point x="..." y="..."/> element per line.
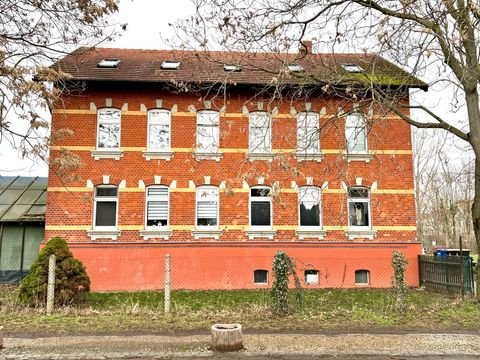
<point x="295" y="67"/>
<point x="231" y="68"/>
<point x="170" y="65"/>
<point x="108" y="63"/>
<point x="352" y="68"/>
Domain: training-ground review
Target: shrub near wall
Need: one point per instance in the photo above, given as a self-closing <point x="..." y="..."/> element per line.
<point x="71" y="278"/>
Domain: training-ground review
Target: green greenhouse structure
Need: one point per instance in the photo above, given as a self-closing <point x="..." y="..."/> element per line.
<point x="22" y="224"/>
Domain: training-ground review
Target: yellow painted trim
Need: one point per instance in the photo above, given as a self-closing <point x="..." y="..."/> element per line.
<point x="285" y="227"/>
<point x="234" y="227"/>
<point x="68" y="189"/>
<point x="335" y="228"/>
<point x="228" y="114"/>
<point x="131" y="190"/>
<point x="395" y="228"/>
<point x="222" y="227"/>
<point x="391" y="152"/>
<point x="133" y="148"/>
<point x="131" y="227"/>
<point x="334" y="191"/>
<point x="182" y="190"/>
<point x="134" y="113"/>
<point x="233" y="150"/>
<point x="235" y="190"/>
<point x="184" y="113"/>
<point x="183" y="150"/>
<point x="395" y="192"/>
<point x="73" y="148"/>
<point x="68" y="227"/>
<point x="181" y="227"/>
<point x="74" y="111"/>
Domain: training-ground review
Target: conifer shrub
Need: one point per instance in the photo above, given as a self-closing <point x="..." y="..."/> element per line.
<point x="71" y="279"/>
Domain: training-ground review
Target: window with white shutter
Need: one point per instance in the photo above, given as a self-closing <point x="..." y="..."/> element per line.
<point x="207" y="206"/>
<point x="157" y="206"/>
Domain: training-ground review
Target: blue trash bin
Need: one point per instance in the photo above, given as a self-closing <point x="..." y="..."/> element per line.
<point x="441" y="252"/>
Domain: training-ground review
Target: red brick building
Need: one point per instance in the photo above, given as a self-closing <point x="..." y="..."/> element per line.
<point x="222" y="159"/>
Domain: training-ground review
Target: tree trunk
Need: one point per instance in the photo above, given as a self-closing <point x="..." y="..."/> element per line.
<point x="474" y="135"/>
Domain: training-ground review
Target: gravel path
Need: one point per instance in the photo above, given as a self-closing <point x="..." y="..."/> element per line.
<point x="197" y="346"/>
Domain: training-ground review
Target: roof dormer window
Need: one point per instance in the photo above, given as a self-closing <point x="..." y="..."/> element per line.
<point x="352" y="68"/>
<point x="295" y="67"/>
<point x="108" y="63"/>
<point x="231" y="68"/>
<point x="170" y="65"/>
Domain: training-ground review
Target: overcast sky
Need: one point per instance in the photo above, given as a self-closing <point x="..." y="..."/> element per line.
<point x="147" y="24"/>
<point x="148" y="27"/>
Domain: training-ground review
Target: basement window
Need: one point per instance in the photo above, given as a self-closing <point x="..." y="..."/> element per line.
<point x="170" y="65"/>
<point x="231" y="68"/>
<point x="260" y="277"/>
<point x="108" y="63"/>
<point x="295" y="68"/>
<point x="312" y="277"/>
<point x="362" y="277"/>
<point x="352" y="68"/>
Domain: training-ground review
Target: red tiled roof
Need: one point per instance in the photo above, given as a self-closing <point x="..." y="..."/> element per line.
<point x="257" y="68"/>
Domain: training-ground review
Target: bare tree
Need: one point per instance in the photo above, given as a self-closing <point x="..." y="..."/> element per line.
<point x="437" y="40"/>
<point x="34" y="34"/>
<point x="444" y="191"/>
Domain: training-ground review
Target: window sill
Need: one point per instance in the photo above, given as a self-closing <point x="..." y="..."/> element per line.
<point x="158" y="155"/>
<point x="103" y="234"/>
<point x="310" y="234"/>
<point x="361" y="234"/>
<point x="254" y="157"/>
<point x="309" y="157"/>
<point x="148" y="234"/>
<point x="253" y="234"/>
<point x="358" y="157"/>
<point x="107" y="154"/>
<point x="206" y="233"/>
<point x="207" y="156"/>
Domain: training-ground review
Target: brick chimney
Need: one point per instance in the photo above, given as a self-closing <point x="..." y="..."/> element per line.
<point x="305" y="47"/>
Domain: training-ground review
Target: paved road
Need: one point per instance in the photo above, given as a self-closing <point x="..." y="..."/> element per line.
<point x="257" y="346"/>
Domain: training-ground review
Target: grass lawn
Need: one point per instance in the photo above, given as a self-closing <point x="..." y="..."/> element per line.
<point x="325" y="309"/>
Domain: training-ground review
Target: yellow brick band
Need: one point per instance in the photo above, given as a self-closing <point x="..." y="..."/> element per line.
<point x="222" y="115"/>
<point x="234" y="150"/>
<point x="235" y="190"/>
<point x="223" y="227"/>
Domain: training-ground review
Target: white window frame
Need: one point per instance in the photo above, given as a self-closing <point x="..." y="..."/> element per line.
<point x="159" y="121"/>
<point x="253" y="124"/>
<point x="366" y="200"/>
<point x="353" y="128"/>
<point x="303" y="122"/>
<point x="368" y="277"/>
<point x="199" y="198"/>
<point x="267" y="199"/>
<point x="152" y="198"/>
<point x="210" y="126"/>
<point x="260" y="283"/>
<point x="300" y="196"/>
<point x="311" y="282"/>
<point x="102" y="121"/>
<point x="97" y="199"/>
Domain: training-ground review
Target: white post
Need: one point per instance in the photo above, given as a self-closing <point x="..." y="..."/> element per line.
<point x="167" y="283"/>
<point x="51" y="284"/>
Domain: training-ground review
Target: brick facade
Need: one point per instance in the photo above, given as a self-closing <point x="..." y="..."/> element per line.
<point x="387" y="175"/>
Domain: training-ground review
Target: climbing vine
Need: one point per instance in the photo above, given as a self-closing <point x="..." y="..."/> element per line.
<point x="399" y="264"/>
<point x="283" y="269"/>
